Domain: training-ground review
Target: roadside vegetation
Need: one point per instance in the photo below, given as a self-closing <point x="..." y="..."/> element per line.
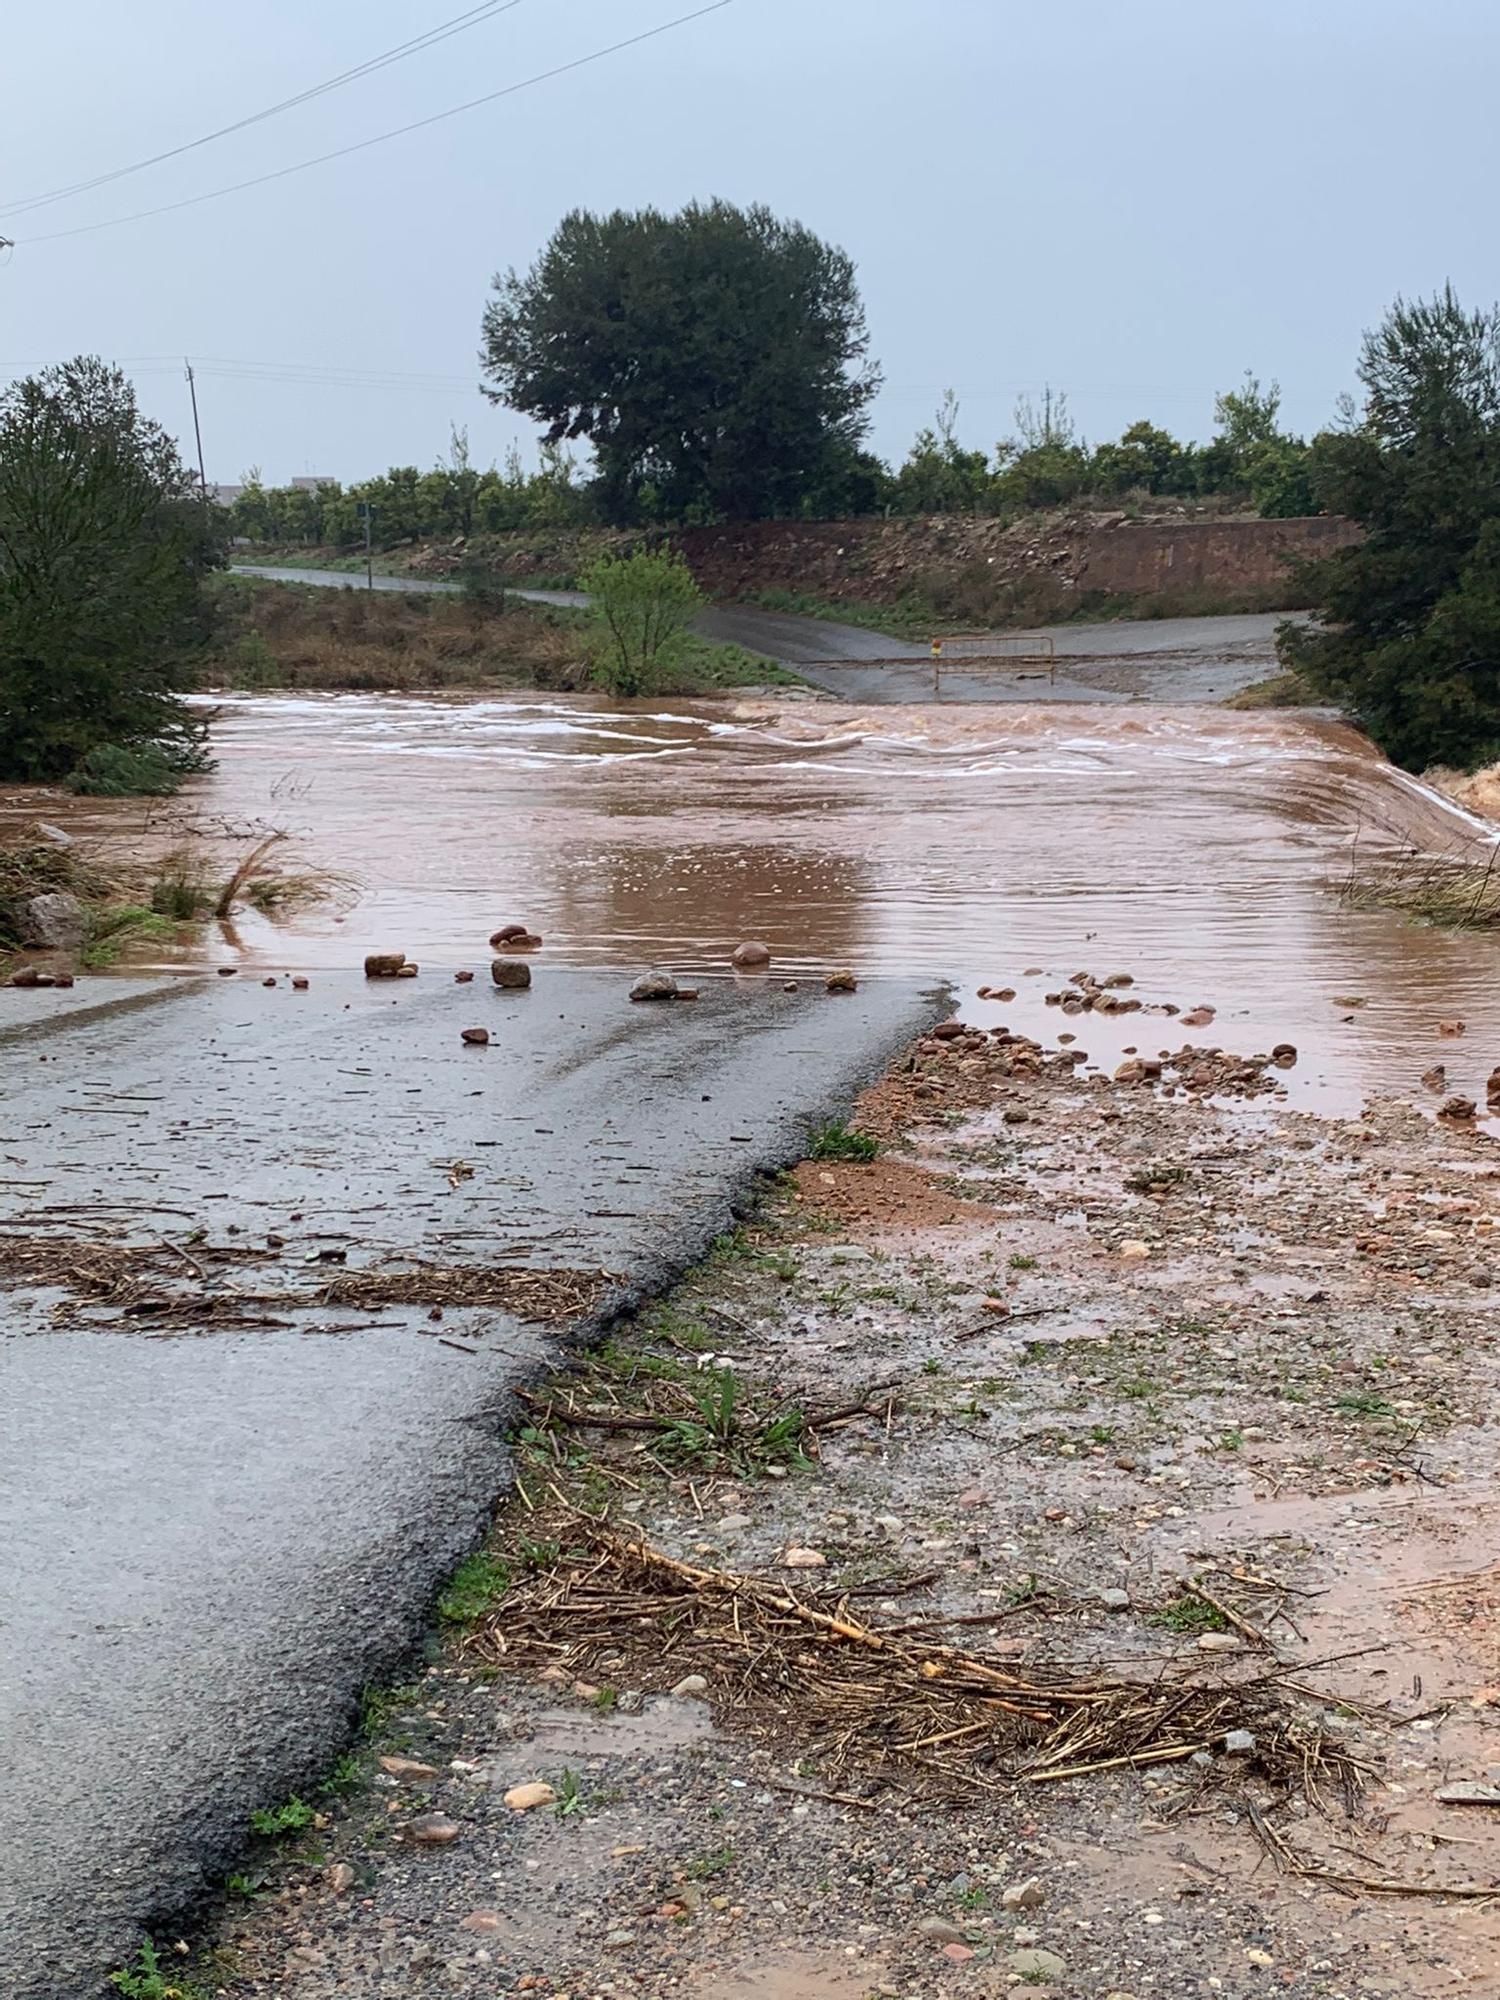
<point x="1408" y="636"/>
<point x="92" y="912"/>
<point x="288" y="635"/>
<point x="103" y="555"/>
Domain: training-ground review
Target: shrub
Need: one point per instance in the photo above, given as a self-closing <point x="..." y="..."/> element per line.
<point x="127" y="770"/>
<point x="642" y="605"/>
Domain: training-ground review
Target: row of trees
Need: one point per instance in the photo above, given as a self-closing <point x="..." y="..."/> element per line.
<point x="1250" y="461"/>
<point x="714" y="365"/>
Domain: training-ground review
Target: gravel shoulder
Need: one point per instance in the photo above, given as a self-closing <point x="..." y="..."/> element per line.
<point x="1081" y="1378"/>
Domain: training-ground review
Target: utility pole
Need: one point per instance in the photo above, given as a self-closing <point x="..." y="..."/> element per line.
<point x="197" y="433"/>
<point x="367" y="513"/>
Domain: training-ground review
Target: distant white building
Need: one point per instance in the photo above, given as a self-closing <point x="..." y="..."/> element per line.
<point x="227" y="495"/>
<point x="313" y="485"/>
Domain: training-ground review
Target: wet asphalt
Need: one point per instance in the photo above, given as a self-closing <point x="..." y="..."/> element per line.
<point x="215" y="1540"/>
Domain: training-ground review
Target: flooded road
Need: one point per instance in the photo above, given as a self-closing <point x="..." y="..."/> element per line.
<point x="1199" y="849"/>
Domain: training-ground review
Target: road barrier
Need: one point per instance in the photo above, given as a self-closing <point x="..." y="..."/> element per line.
<point x="1004" y="649"/>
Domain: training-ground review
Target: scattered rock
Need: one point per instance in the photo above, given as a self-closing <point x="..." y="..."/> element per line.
<point x="789" y="986"/>
<point x="228" y="971"/>
<point x="1219" y="1642"/>
<point x="476" y="1037"/>
<point x="1492" y="1085"/>
<point x="804" y="1559"/>
<point x="948" y="1031"/>
<point x="270" y="980"/>
<point x="383" y="964"/>
<point x="433" y="1830"/>
<point x="1198" y="1017"/>
<point x="1284" y="1055"/>
<point x="511" y="974"/>
<point x="486" y="1922"/>
<point x="1027" y="1895"/>
<point x="1435" y="1078"/>
<point x="960" y="1954"/>
<point x="1239" y="1743"/>
<point x="841" y="982"/>
<point x="940" y="1930"/>
<point x="619" y="1940"/>
<point x="1460" y="1109"/>
<point x="732" y="1523"/>
<point x="26" y="975"/>
<point x="1133" y="1250"/>
<point x="1468" y="1793"/>
<point x="339" y="1877"/>
<point x="1451" y="1029"/>
<point x="1115" y="1600"/>
<point x="463" y="978"/>
<point x="52" y="836"/>
<point x="55" y="921"/>
<point x="751" y="956"/>
<point x="300" y="984"/>
<point x="526" y="1798"/>
<point x="655" y="986"/>
<point x="407" y="971"/>
<point x="692" y="1687"/>
<point x="408" y="1769"/>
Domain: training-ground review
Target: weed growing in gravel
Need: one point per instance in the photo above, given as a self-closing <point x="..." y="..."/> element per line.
<point x="246" y="1887"/>
<point x="378" y="1707"/>
<point x="347" y="1775"/>
<point x="709" y="1865"/>
<point x="1021" y="1263"/>
<point x="1188" y="1615"/>
<point x="278" y="1822"/>
<point x="1362" y="1403"/>
<point x="570" y="1799"/>
<point x="474" y="1588"/>
<point x="836" y="1142"/>
<point x="145" y="1980"/>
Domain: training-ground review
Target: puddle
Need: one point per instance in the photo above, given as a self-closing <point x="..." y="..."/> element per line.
<point x="792" y="1977"/>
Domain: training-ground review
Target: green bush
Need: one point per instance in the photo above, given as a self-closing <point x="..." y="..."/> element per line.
<point x="127" y="770"/>
<point x="641" y="606"/>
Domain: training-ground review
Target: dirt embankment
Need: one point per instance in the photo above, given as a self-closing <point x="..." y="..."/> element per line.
<point x="1044" y="567"/>
<point x="954" y="569"/>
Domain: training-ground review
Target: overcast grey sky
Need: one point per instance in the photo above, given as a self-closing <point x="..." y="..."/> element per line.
<point x="1134" y="202"/>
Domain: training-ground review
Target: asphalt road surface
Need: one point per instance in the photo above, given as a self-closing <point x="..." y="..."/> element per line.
<point x="215" y="1538"/>
<point x="1149" y="659"/>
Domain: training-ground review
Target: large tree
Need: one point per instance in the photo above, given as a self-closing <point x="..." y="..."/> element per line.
<point x="103" y="550"/>
<point x="714" y="359"/>
<point x="1409" y="628"/>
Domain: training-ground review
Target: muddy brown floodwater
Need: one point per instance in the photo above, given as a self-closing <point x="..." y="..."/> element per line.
<point x="1202" y="844"/>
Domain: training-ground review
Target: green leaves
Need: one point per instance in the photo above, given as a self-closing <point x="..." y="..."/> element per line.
<point x="1409" y="632"/>
<point x="714" y="359"/>
<point x="641" y="605"/>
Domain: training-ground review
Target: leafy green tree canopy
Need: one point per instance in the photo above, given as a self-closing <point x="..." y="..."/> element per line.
<point x="103" y="550"/>
<point x="1409" y="633"/>
<point x="715" y="358"/>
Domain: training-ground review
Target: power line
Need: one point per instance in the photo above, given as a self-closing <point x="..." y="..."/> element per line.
<point x="457" y="26"/>
<point x="400" y="132"/>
